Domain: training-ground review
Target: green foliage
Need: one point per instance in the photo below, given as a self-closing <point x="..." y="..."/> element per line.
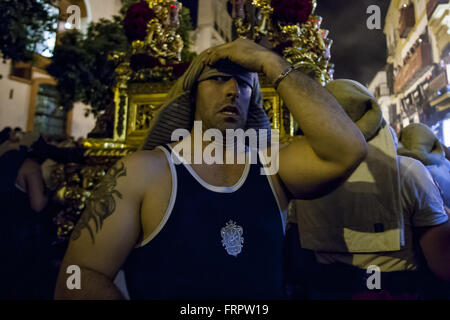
<point x="81" y="65"/>
<point x="185" y="27"/>
<point x="70" y="66"/>
<point x="23" y="23"/>
<point x="103" y="39"/>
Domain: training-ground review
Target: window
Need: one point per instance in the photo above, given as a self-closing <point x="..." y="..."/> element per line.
<point x="50" y="117"/>
<point x="21" y="69"/>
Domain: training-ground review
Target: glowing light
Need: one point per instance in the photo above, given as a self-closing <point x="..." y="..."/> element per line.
<point x="446" y="131"/>
<point x="448" y="72"/>
<point x="67" y="26"/>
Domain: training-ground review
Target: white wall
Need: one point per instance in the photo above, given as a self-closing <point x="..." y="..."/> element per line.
<point x="222" y="18"/>
<point x="13" y="112"/>
<point x="103" y="8"/>
<point x="385" y="104"/>
<point x="380" y="77"/>
<point x="205" y="23"/>
<point x="205" y="35"/>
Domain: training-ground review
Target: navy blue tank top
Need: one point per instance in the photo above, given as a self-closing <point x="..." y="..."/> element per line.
<point x="213" y="243"/>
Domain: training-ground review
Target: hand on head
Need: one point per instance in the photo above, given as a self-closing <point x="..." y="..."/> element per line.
<point x="243" y="52"/>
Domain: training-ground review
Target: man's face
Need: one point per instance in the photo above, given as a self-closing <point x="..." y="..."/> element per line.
<point x="222" y="102"/>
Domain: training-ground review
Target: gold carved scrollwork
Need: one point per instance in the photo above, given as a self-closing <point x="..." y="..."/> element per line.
<point x="268" y="108"/>
<point x="271" y="105"/>
<point x="279" y="116"/>
<point x="144" y="115"/>
<point x="143" y="109"/>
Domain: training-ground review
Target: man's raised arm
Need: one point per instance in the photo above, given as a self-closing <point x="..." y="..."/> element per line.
<point x="332" y="146"/>
<point x="107" y="231"/>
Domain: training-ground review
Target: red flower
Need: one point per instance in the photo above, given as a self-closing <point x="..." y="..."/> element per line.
<point x="291" y="11"/>
<point x="143" y="61"/>
<point x="136" y="20"/>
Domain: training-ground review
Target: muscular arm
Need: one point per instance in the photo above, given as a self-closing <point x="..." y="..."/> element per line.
<point x="332" y="146"/>
<point x="107" y="231"/>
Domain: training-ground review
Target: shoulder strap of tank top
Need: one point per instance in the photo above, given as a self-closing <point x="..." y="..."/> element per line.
<point x="166" y="146"/>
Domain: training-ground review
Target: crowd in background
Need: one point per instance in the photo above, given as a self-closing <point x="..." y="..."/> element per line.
<point x="27" y="232"/>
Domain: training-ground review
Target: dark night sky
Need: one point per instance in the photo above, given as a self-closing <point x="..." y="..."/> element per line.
<point x="357" y="52"/>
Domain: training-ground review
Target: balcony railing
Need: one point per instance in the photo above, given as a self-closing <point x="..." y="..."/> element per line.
<point x="439" y="92"/>
<point x="432" y="5"/>
<point x="407" y="20"/>
<point x="415" y="66"/>
<point x="438" y="82"/>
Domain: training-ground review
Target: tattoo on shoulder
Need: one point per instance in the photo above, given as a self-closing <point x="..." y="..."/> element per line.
<point x="102" y="203"/>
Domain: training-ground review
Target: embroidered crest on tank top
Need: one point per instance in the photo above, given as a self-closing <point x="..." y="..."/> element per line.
<point x="232" y="238"/>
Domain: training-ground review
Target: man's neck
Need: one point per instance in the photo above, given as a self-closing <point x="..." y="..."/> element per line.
<point x="195" y="147"/>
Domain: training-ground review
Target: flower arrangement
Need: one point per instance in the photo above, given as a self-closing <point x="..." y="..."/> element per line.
<point x="136" y="20"/>
<point x="291" y="11"/>
<point x="151" y="28"/>
<point x="290" y="28"/>
<point x="143" y="61"/>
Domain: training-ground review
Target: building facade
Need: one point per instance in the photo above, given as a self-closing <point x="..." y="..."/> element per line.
<point x="415" y="84"/>
<point x="381" y="88"/>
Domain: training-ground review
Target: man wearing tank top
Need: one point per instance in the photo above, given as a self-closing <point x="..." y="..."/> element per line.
<point x="184" y="227"/>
